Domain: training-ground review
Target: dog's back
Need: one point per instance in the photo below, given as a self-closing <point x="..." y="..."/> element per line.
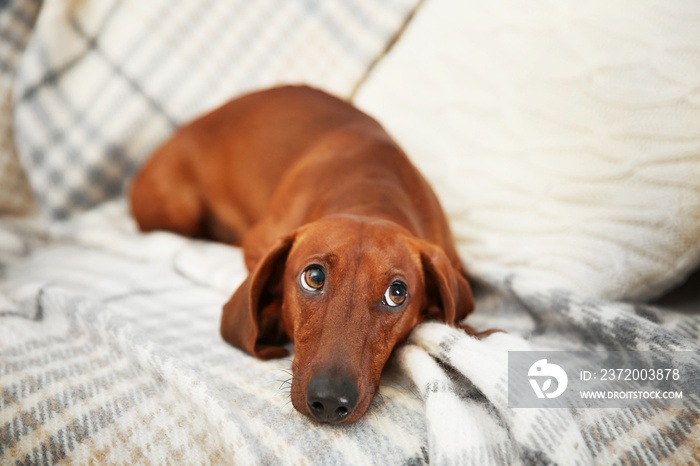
<point x="215" y="177"/>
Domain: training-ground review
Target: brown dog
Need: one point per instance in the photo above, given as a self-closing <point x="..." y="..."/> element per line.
<point x="346" y="244"/>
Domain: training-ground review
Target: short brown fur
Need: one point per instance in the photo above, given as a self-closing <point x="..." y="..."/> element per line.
<point x="298" y="177"/>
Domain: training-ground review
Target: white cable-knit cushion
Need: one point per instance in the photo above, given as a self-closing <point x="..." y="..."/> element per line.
<point x="563" y="137"/>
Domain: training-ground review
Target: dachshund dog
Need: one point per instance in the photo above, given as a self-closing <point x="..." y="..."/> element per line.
<point x="346" y="244"/>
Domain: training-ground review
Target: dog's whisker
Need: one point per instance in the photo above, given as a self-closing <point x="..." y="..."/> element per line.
<point x="284" y="382"/>
<point x="405" y="388"/>
<point x="289" y="407"/>
<point x="381" y="400"/>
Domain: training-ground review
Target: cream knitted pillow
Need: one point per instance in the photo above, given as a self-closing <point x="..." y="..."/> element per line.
<point x="562" y="137"/>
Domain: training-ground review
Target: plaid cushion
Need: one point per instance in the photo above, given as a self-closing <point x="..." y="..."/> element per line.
<point x="104" y="81"/>
<point x="16" y="20"/>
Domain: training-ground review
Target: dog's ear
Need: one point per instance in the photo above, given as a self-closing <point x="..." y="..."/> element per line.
<point x="252" y="318"/>
<point x="448" y="294"/>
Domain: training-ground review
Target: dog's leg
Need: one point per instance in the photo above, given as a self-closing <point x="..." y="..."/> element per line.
<point x="476" y="334"/>
<point x="223" y="222"/>
<point x="164" y="195"/>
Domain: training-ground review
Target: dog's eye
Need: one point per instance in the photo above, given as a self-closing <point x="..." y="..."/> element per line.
<point x="396" y="294"/>
<point x="312" y="279"/>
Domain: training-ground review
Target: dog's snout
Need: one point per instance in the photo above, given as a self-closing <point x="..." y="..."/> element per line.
<point x="330" y="399"/>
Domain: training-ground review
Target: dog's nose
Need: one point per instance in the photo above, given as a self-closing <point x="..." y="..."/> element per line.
<point x="330" y="399"/>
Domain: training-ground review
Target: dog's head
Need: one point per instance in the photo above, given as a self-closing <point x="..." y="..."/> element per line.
<point x="345" y="290"/>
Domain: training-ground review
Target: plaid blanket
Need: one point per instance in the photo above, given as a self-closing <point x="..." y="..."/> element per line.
<point x="16" y="22"/>
<point x="109" y="344"/>
<point x="102" y="82"/>
<point x="109" y="352"/>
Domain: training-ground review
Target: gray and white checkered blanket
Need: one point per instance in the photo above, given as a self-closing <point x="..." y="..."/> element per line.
<point x="110" y="352"/>
<point x="109" y="343"/>
<point x="102" y="82"/>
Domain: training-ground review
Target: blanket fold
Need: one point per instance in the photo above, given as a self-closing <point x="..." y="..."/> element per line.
<point x="109" y="350"/>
